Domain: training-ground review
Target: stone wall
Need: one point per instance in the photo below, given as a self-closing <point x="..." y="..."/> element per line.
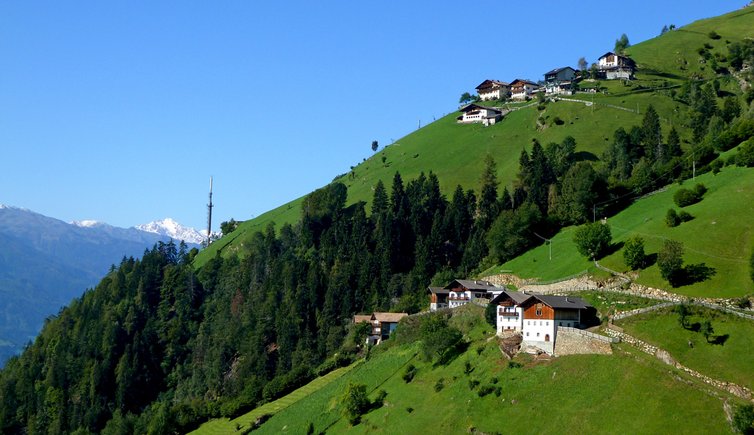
<point x="623" y="314"/>
<point x="665" y="357"/>
<point x="571" y="341"/>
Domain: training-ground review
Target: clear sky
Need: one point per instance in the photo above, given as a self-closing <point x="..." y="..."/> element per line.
<point x="120" y="111"/>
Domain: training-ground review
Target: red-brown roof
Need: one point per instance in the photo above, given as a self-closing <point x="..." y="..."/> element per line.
<point x="388" y="317"/>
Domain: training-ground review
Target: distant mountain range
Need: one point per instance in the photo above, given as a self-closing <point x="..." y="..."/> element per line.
<point x="45" y="262"/>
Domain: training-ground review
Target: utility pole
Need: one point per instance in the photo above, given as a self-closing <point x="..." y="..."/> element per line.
<point x="209" y="214"/>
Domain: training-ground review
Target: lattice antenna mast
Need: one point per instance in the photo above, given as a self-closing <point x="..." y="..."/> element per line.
<point x="209" y="214"/>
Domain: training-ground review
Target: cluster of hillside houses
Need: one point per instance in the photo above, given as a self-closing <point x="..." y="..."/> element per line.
<point x="535" y="317"/>
<point x="560" y="81"/>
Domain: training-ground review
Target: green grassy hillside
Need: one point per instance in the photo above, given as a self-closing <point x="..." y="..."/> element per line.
<point x="627" y="392"/>
<point x="721" y="235"/>
<point x="455" y="152"/>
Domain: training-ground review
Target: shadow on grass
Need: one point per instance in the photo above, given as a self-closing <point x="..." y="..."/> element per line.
<point x="695" y="327"/>
<point x="452" y="353"/>
<point x="584" y="156"/>
<point x="649" y="260"/>
<point x="720" y="339"/>
<point x="612" y="249"/>
<point x="691" y="274"/>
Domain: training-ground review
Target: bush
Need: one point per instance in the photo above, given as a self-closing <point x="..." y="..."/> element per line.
<point x="355" y="402"/>
<point x="514" y="365"/>
<point x="593" y="240"/>
<point x="558" y="121"/>
<point x="485" y="390"/>
<point x="437" y="337"/>
<point x="633" y="253"/>
<point x="686" y="197"/>
<point x="672" y="219"/>
<point x="473" y="383"/>
<point x="743" y="419"/>
<point x="439" y="385"/>
<point x="409" y="374"/>
<point x="685" y="216"/>
<point x="713" y="35"/>
<point x="745" y="156"/>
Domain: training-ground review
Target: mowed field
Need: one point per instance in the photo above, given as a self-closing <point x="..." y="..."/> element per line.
<point x="721" y="235"/>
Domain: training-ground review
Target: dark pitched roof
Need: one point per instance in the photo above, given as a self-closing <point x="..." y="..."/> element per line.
<point x="526" y="82"/>
<point x="475" y="285"/>
<point x="489" y="83"/>
<point x="557" y="70"/>
<point x="474" y="105"/>
<point x="563" y="302"/>
<point x="438" y="290"/>
<point x="518" y="297"/>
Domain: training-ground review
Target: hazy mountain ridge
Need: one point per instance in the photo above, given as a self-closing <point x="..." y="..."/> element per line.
<point x="45" y="262"/>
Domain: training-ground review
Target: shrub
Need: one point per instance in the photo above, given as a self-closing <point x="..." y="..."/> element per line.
<point x="467" y="368"/>
<point x="713" y="35"/>
<point x="743" y="419"/>
<point x="672" y="219"/>
<point x="558" y="121"/>
<point x="380" y="399"/>
<point x="633" y="253"/>
<point x="473" y="383"/>
<point x="409" y="409"/>
<point x="685" y="216"/>
<point x="409" y="374"/>
<point x="485" y="390"/>
<point x="686" y="197"/>
<point x="593" y="240"/>
<point x="355" y="402"/>
<point x="514" y="365"/>
<point x="745" y="156"/>
<point x="439" y="385"/>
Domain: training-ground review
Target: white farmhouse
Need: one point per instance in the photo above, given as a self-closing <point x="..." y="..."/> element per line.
<point x="521" y="89"/>
<point x="493" y="90"/>
<point x="463" y="291"/>
<point x="473" y="113"/>
<point x="614" y="66"/>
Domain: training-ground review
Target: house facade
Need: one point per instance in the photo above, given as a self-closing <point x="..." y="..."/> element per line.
<point x="493" y="90"/>
<point x="521" y="89"/>
<point x="463" y="291"/>
<point x="510" y="315"/>
<point x="383" y="325"/>
<point x="438" y="298"/>
<point x="475" y="113"/>
<point x="613" y="66"/>
<point x="537" y="317"/>
<point x="560" y="81"/>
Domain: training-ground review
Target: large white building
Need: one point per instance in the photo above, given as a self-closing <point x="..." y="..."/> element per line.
<point x="614" y="66"/>
<point x="521" y="89"/>
<point x="463" y="291"/>
<point x="537" y="317"/>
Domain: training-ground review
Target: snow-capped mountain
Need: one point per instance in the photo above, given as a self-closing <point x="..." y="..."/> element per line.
<point x="170" y="228"/>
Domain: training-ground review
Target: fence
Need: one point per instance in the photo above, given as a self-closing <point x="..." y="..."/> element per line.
<point x="624" y="314"/>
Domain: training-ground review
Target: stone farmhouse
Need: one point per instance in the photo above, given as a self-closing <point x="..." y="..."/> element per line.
<point x="537" y="317"/>
<point x="383" y="324"/>
<point x="473" y="113"/>
<point x="493" y="90"/>
<point x="613" y="66"/>
<point x="560" y="81"/>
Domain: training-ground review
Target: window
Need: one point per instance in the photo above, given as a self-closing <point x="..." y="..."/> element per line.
<point x="539" y="310"/>
<point x="528" y="322"/>
<point x="547" y="323"/>
<point x="537" y="334"/>
<point x="527" y="334"/>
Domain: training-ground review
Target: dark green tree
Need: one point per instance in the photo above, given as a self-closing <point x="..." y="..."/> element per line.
<point x="633" y="253"/>
<point x="355" y="402"/>
<point x="651" y="135"/>
<point x="375" y="145"/>
<point x="621" y="44"/>
<point x="670" y="261"/>
<point x="488" y="202"/>
<point x="743" y="419"/>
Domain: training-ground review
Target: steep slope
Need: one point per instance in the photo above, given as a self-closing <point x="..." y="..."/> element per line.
<point x="45" y="262"/>
<point x="455" y="153"/>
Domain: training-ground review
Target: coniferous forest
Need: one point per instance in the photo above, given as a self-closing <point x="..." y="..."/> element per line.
<point x="159" y="346"/>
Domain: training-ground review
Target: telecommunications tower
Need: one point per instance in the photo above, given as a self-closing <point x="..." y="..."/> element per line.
<point x="209" y="214"/>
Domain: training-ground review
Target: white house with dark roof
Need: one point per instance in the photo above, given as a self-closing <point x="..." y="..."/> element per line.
<point x="475" y="113"/>
<point x="463" y="291"/>
<point x="493" y="90"/>
<point x="560" y="81"/>
<point x="614" y="66"/>
<point x="521" y="89"/>
<point x="537" y="317"/>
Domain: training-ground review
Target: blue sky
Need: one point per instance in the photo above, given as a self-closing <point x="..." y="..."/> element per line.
<point x="121" y="111"/>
